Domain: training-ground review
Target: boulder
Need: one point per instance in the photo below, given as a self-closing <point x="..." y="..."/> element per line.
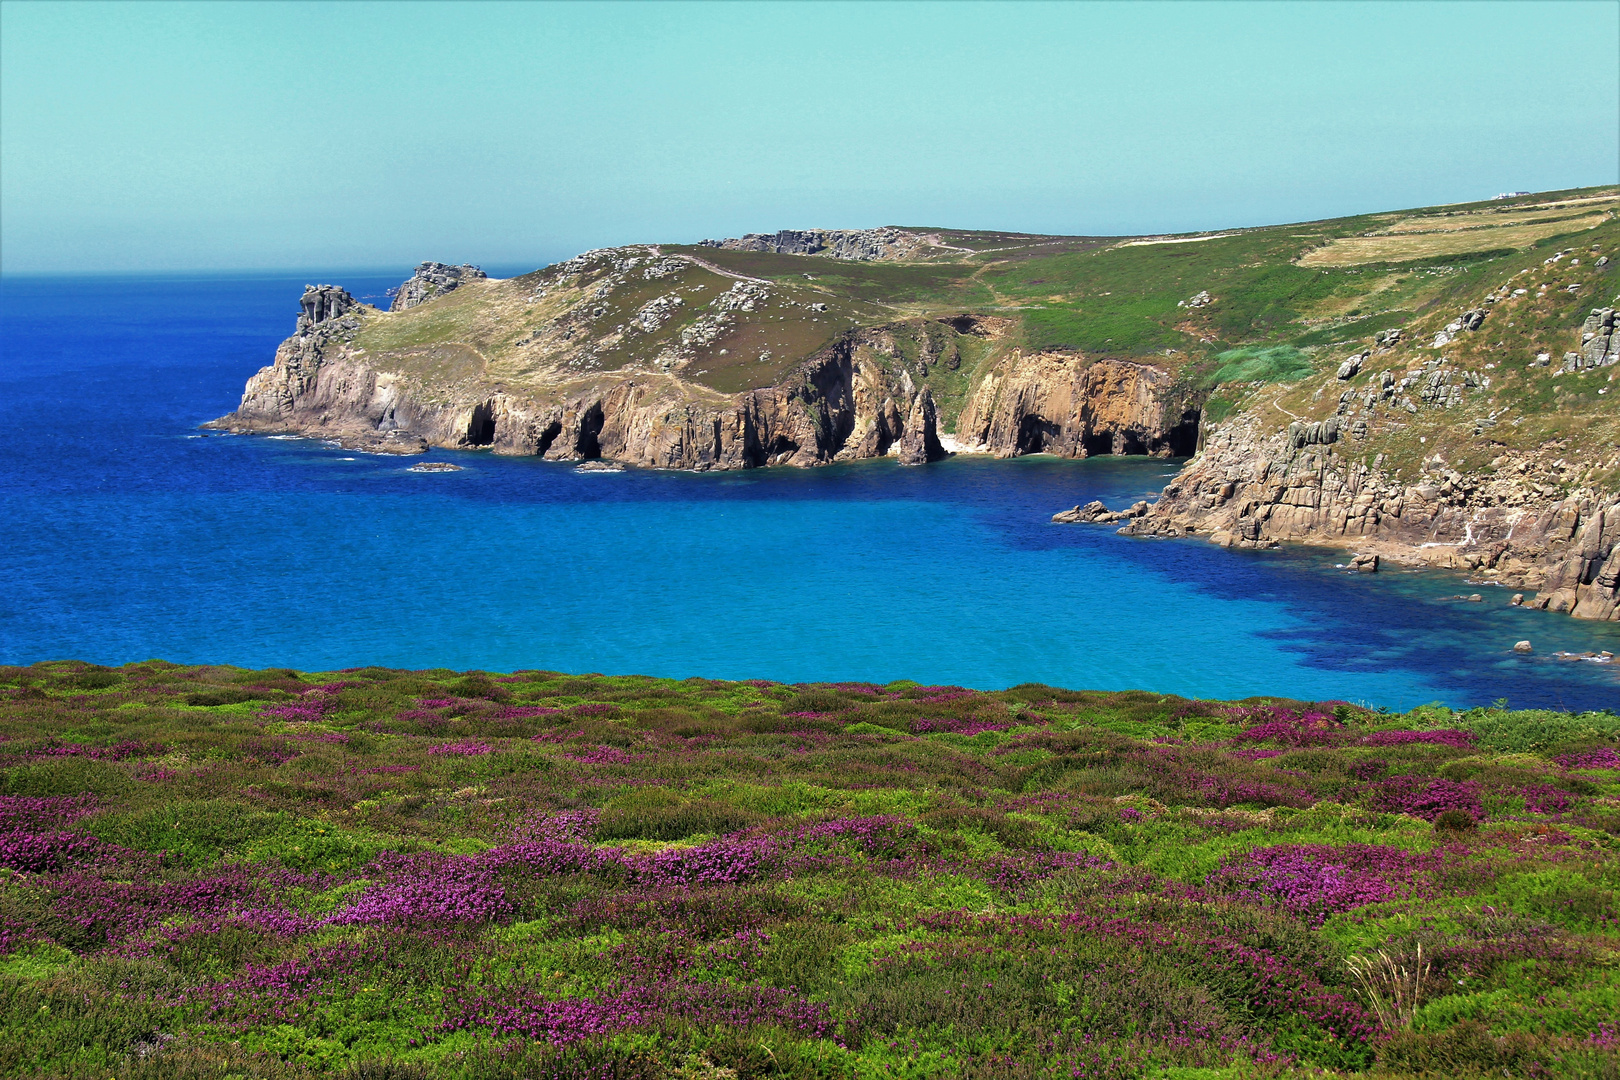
<point x="1350" y="367"/>
<point x="1092" y="511"/>
<point x="1364" y="563"/>
<point x="322" y="304"/>
<point x="1523" y="647"/>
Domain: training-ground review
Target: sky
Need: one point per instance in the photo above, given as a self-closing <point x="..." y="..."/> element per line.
<point x="243" y="136"/>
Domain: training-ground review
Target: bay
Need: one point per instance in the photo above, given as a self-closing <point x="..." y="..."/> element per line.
<point x="125" y="534"/>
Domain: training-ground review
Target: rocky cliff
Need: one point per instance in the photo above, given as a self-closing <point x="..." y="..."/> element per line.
<point x="632" y="354"/>
<point x="1462" y="445"/>
<point x="1431" y="386"/>
<point x="1072" y="406"/>
<point x="1252" y="488"/>
<point x="842" y="404"/>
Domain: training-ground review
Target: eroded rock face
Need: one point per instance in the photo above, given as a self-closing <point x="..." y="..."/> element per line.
<point x="432" y="279"/>
<point x="839" y="405"/>
<point x="1250" y="488"/>
<point x="1065" y="404"/>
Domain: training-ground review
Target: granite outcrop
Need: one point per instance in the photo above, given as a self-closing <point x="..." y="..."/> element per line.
<point x="432" y="279"/>
<point x="859" y="245"/>
<point x="1253" y="488"/>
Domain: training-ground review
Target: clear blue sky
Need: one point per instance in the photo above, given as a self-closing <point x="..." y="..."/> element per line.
<point x="196" y="136"/>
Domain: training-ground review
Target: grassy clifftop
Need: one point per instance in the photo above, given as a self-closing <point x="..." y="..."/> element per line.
<point x="726" y="320"/>
<point x="214" y="872"/>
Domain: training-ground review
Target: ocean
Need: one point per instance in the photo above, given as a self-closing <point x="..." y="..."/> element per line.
<point x="127" y="534"/>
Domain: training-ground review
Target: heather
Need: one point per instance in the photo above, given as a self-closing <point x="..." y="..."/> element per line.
<point x="216" y="872"/>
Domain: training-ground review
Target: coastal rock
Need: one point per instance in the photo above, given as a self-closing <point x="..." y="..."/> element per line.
<point x="322" y="304"/>
<point x="919" y="444"/>
<point x="1071" y="406"/>
<point x="432" y="279"/>
<point x="1249" y="487"/>
<point x="1523" y="647"/>
<point x="1364" y="563"/>
<point x="840" y="404"/>
<point x="1096" y="512"/>
<point x="1092" y="511"/>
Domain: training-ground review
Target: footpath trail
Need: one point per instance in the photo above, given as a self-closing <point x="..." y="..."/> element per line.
<point x="709" y="266"/>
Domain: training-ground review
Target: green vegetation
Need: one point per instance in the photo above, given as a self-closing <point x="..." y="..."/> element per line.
<point x="1277" y="363"/>
<point x="214" y="872"/>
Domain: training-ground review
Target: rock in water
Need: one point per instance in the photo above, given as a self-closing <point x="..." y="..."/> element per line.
<point x="920" y="444"/>
<point x="1522" y="647"/>
<point x="1365" y="563"/>
<point x="1518" y="599"/>
<point x="1092" y="511"/>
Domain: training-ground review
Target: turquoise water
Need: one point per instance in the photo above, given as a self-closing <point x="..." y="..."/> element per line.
<point x="125" y="535"/>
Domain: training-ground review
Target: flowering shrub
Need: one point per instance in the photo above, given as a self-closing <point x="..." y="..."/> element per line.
<point x="1425" y="798"/>
<point x="1314" y="881"/>
<point x="1602" y="758"/>
<point x="696" y="877"/>
<point x="458" y="892"/>
<point x="955" y="725"/>
<point x="1289" y="727"/>
<point x="1462" y="740"/>
<point x="465" y="748"/>
<point x="37" y="852"/>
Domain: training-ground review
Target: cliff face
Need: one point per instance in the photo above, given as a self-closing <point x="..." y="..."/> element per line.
<point x="1252" y="489"/>
<point x="840" y="405"/>
<point x="1064" y="404"/>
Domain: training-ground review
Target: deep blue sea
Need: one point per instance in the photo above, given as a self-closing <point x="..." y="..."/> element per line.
<point x="126" y="534"/>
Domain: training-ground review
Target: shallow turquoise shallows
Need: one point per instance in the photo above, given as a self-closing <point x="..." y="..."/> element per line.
<point x="125" y="534"/>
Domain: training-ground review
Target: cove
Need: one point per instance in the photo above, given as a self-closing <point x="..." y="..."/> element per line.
<point x="125" y="534"/>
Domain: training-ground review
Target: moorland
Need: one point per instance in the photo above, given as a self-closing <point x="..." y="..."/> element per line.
<point x="214" y="872"/>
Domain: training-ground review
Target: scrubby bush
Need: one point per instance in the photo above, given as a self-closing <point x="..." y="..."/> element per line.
<point x="207" y="872"/>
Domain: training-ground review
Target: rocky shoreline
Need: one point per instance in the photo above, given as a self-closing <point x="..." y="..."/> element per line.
<point x="538" y="366"/>
<point x="859" y="397"/>
<point x="1247" y="489"/>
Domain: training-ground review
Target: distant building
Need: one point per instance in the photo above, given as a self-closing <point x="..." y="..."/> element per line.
<point x="1512" y="194"/>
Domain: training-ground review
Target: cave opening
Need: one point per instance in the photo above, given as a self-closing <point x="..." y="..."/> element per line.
<point x="1183" y="437"/>
<point x="481" y="426"/>
<point x="589" y="445"/>
<point x="965" y="324"/>
<point x="547" y="437"/>
<point x="1097" y="442"/>
<point x="1033" y="434"/>
<point x="1129" y="443"/>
